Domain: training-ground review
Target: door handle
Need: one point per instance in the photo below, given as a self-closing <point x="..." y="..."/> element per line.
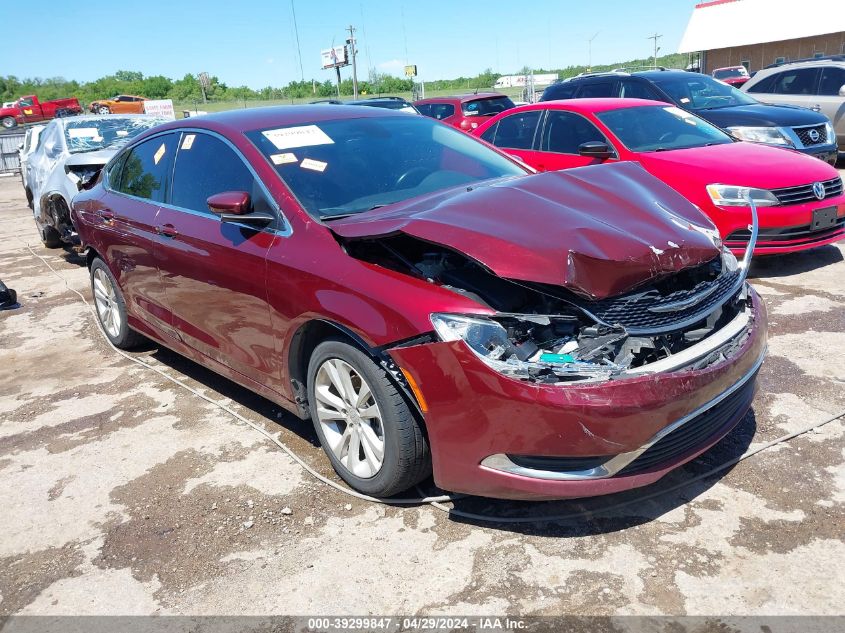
<point x="106" y="215"/>
<point x="167" y="230"/>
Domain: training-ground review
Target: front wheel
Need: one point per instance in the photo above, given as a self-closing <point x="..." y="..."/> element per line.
<point x="8" y="122"/>
<point x="103" y="110"/>
<point x="111" y="307"/>
<point x="365" y="426"/>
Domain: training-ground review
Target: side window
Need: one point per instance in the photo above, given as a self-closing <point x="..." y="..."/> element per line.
<point x="146" y="168"/>
<point x="833" y="78"/>
<point x="559" y="91"/>
<point x="765" y="85"/>
<point x="566" y="131"/>
<point x="424" y="108"/>
<point x="800" y="81"/>
<point x="601" y="89"/>
<point x="113" y="171"/>
<point x="205" y="165"/>
<point x="25" y="103"/>
<point x="442" y="111"/>
<point x="490" y="133"/>
<point x="517" y="130"/>
<point x="638" y="90"/>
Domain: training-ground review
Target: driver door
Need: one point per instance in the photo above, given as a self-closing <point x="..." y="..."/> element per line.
<point x="562" y="135"/>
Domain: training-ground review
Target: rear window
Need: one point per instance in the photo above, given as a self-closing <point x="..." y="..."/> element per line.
<point x="487" y="106"/>
<point x="559" y="91"/>
<point x="727" y="73"/>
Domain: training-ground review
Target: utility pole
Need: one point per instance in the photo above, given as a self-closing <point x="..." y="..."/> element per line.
<point x="351" y="42"/>
<point x="590" y="52"/>
<point x="655" y="37"/>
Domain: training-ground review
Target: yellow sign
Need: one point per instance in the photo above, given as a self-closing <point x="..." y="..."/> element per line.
<point x="411" y="71"/>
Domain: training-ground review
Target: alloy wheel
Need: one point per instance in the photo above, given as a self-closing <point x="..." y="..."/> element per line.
<point x="350" y="418"/>
<point x="105" y="299"/>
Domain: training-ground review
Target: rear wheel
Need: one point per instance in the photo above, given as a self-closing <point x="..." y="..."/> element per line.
<point x="373" y="439"/>
<point x="111" y="307"/>
<point x="50" y="237"/>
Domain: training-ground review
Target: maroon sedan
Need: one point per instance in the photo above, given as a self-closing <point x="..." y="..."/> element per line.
<point x="427" y="301"/>
<point x="465" y="112"/>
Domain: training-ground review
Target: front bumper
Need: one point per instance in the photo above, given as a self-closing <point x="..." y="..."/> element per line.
<point x="828" y="153"/>
<point x="475" y="414"/>
<point x="783" y="229"/>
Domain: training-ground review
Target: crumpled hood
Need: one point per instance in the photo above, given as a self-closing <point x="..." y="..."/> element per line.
<point x="98" y="157"/>
<point x="599" y="231"/>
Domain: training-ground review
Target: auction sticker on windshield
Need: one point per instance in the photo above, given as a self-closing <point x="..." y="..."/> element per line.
<point x="83" y="132"/>
<point x="300" y="136"/>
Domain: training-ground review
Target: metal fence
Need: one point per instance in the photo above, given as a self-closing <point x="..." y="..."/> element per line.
<point x="9" y="159"/>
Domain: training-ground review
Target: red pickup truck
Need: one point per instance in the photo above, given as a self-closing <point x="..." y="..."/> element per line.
<point x="29" y="109"/>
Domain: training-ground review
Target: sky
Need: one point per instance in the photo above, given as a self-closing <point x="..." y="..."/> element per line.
<point x="253" y="42"/>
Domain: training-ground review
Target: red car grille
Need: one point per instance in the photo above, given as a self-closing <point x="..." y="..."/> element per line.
<point x="804" y="193"/>
<point x="800" y="234"/>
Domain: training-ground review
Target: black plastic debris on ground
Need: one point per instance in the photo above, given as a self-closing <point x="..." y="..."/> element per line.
<point x="8" y="298"/>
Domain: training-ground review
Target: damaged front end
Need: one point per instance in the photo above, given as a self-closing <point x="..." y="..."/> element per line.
<point x="548" y="334"/>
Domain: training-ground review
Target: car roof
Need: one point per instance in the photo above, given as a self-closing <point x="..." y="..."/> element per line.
<point x="248" y="119"/>
<point x="462" y="98"/>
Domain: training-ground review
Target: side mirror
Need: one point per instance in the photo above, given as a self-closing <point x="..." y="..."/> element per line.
<point x="235" y="206"/>
<point x="596" y="149"/>
<point x="842" y="90"/>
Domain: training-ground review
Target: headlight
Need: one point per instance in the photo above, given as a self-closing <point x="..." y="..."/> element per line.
<point x="518" y="356"/>
<point x="734" y="196"/>
<point x="831" y="133"/>
<point x="768" y="135"/>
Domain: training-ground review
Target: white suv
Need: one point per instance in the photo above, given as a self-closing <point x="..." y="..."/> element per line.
<point x="818" y="84"/>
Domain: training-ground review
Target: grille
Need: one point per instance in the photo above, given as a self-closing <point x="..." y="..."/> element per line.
<point x="695" y="432"/>
<point x="634" y="314"/>
<point x="804" y="193"/>
<point x="804" y="134"/>
<point x="793" y="233"/>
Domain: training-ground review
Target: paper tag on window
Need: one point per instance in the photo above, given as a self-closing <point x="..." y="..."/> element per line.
<point x="300" y="136"/>
<point x="284" y="159"/>
<point x="122" y="133"/>
<point x="83" y="132"/>
<point x="316" y="165"/>
<point x="188" y="141"/>
<point x="159" y="153"/>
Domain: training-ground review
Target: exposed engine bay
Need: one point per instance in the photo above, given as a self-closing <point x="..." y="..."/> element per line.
<point x="548" y="334"/>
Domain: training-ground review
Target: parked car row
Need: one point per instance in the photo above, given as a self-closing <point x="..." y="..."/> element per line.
<point x="453" y="299"/>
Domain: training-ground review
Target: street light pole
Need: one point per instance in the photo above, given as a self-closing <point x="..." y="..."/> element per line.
<point x="590" y="52"/>
<point x="351" y="42"/>
<point x="655" y="37"/>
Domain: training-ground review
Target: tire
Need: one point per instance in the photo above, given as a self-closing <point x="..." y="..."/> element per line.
<point x="103" y="110"/>
<point x="392" y="424"/>
<point x="50" y="237"/>
<point x="111" y="307"/>
<point x="8" y="122"/>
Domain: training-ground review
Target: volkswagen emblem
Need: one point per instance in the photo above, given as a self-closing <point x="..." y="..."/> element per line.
<point x="814" y="135"/>
<point x="818" y="190"/>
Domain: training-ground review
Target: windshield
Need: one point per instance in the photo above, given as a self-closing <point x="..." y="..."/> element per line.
<point x="487" y="107"/>
<point x="727" y="73"/>
<point x="346" y="166"/>
<point x="660" y="128"/>
<point x="88" y="135"/>
<point x="699" y="92"/>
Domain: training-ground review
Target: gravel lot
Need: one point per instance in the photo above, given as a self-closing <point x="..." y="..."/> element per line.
<point x="122" y="493"/>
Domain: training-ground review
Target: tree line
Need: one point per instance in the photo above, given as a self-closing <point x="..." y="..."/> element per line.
<point x="188" y="88"/>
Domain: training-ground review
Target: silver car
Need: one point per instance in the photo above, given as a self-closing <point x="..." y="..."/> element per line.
<point x="817" y="84"/>
<point x="71" y="151"/>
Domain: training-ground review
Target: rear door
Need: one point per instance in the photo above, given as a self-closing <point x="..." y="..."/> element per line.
<point x="516" y="134"/>
<point x="796" y="86"/>
<point x="135" y="187"/>
<point x="562" y="135"/>
<point x="214" y="273"/>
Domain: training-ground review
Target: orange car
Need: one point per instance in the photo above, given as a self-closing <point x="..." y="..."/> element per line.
<point x="120" y="104"/>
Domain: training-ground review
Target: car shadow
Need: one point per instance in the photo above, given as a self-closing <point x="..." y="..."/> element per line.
<point x="596" y="515"/>
<point x="71" y="255"/>
<point x="788" y="264"/>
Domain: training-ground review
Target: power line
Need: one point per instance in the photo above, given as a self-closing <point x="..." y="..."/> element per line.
<point x="298" y="47"/>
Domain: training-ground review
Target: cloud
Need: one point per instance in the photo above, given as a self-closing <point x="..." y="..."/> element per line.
<point x="392" y="67"/>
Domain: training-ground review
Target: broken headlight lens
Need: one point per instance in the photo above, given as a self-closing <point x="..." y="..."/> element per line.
<point x="734" y="196"/>
<point x="729" y="261"/>
<point x="486" y="338"/>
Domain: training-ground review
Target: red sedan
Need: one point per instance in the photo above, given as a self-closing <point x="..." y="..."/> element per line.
<point x="426" y="301"/>
<point x="801" y="199"/>
<point x="465" y="112"/>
